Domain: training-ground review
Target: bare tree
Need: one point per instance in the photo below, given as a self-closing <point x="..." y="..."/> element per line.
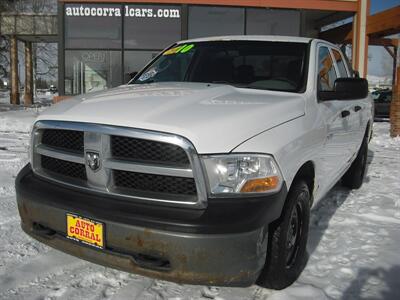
<point x="4" y="57"/>
<point x="46" y="54"/>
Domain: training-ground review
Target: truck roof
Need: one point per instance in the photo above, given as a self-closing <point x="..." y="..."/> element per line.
<point x="272" y="38"/>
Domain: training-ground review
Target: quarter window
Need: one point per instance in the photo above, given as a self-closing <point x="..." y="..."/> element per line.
<point x="326" y="70"/>
<point x="340" y="63"/>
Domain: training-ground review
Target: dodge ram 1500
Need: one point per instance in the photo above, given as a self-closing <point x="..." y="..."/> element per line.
<point x="204" y="167"/>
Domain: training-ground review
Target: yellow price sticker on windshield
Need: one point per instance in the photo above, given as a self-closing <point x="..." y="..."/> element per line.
<point x="179" y="49"/>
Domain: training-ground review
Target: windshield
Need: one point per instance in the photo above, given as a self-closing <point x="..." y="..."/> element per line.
<point x="247" y="64"/>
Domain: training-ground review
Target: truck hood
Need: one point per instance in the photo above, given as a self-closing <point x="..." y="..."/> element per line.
<point x="214" y="117"/>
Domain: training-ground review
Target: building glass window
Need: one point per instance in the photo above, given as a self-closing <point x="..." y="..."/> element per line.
<point x="151" y="27"/>
<point x="93" y="26"/>
<point x="134" y="61"/>
<point x="210" y="21"/>
<point x="340" y="63"/>
<point x="326" y="70"/>
<point x="91" y="70"/>
<point x="272" y="22"/>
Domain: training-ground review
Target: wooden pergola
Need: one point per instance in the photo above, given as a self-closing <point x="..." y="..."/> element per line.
<point x="378" y="27"/>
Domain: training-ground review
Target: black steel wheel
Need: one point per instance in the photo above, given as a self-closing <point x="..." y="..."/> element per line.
<point x="286" y="254"/>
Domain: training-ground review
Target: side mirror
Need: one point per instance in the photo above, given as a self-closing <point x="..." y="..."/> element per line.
<point x="346" y="89"/>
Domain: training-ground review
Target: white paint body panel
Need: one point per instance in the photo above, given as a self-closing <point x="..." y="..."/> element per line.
<point x="294" y="128"/>
<point x="215" y="118"/>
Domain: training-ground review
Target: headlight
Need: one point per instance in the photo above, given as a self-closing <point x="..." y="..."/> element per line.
<point x="242" y="174"/>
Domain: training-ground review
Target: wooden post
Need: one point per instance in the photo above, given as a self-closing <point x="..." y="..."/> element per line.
<point x="28" y="95"/>
<point x="395" y="105"/>
<point x="14" y="97"/>
<point x="395" y="50"/>
<point x="360" y="38"/>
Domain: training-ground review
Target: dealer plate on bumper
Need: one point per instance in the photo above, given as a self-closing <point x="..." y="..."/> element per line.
<point x="85" y="231"/>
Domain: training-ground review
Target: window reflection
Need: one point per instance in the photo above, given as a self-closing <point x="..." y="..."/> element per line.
<point x="209" y="21"/>
<point x="96" y="32"/>
<point x="340" y="63"/>
<point x="326" y="71"/>
<point x="91" y="71"/>
<point x="135" y="61"/>
<point x="151" y="26"/>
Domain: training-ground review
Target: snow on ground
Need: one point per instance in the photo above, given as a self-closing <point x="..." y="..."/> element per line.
<point x="353" y="247"/>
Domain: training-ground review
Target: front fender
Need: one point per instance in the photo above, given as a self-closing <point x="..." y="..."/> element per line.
<point x="292" y="144"/>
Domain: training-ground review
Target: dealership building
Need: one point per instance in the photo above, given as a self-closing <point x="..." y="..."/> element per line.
<point x="103" y="43"/>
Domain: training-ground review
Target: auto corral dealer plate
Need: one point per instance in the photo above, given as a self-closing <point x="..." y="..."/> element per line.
<point x="85" y="231"/>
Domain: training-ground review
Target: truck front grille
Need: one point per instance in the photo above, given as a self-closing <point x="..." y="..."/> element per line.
<point x="68" y="140"/>
<point x="155" y="183"/>
<point x="145" y="150"/>
<point x="132" y="163"/>
<point x="64" y="168"/>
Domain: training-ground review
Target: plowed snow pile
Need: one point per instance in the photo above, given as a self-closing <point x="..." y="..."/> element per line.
<point x="353" y="249"/>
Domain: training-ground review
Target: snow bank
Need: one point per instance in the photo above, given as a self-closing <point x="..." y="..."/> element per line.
<point x="17" y="120"/>
<point x="382" y="137"/>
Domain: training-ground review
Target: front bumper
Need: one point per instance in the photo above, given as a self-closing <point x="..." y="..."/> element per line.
<point x="179" y="253"/>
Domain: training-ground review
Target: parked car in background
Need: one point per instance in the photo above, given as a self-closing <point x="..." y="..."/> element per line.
<point x="382" y="101"/>
<point x="53" y="89"/>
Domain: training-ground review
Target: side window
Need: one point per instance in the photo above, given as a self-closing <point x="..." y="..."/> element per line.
<point x="340" y="63"/>
<point x="326" y="70"/>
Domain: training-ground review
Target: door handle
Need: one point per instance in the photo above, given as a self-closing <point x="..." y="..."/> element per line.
<point x="357" y="108"/>
<point x="345" y="113"/>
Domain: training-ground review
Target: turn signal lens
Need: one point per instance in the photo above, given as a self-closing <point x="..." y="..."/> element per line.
<point x="260" y="185"/>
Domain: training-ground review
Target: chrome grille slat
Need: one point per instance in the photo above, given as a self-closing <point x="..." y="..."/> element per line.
<point x="60" y="154"/>
<point x="146" y="168"/>
<point x="98" y="138"/>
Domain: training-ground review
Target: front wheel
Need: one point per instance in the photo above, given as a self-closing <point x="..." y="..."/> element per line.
<point x="287" y="241"/>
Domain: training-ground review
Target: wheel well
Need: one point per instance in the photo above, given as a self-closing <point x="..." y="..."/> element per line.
<point x="307" y="173"/>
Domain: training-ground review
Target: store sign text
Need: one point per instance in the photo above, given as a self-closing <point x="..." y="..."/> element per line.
<point x="90" y="11"/>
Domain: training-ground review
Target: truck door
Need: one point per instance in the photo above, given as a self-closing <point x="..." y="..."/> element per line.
<point x="356" y="118"/>
<point x="336" y="119"/>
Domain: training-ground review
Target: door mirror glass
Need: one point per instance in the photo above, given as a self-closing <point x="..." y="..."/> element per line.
<point x="346" y="89"/>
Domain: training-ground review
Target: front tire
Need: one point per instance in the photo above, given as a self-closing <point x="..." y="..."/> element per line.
<point x="287" y="241"/>
<point x="354" y="176"/>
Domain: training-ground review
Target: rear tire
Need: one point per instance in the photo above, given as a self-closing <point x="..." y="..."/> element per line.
<point x="354" y="176"/>
<point x="287" y="241"/>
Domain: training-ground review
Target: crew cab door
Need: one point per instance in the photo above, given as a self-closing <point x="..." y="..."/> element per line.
<point x="356" y="108"/>
<point x="337" y="119"/>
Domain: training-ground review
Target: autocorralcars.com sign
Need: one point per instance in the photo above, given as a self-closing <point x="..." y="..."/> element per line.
<point x="127" y="11"/>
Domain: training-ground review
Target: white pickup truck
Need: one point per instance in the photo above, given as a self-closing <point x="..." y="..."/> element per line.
<point x="204" y="167"/>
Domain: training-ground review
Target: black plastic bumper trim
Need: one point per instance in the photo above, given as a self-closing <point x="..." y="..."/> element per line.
<point x="232" y="215"/>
